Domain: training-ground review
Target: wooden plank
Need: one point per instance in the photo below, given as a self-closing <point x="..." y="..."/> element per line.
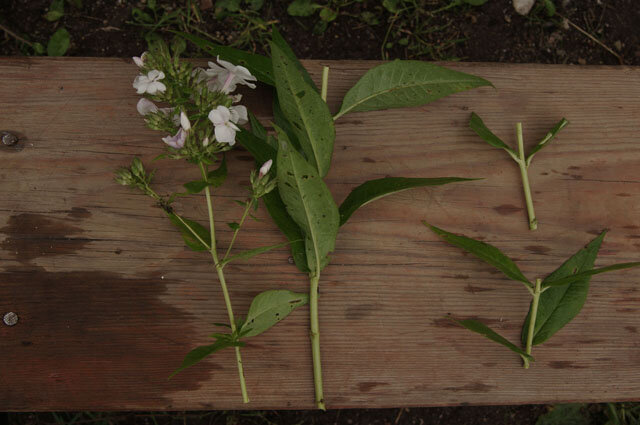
<point x="109" y="300"/>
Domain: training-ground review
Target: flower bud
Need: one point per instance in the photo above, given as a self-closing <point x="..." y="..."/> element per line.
<point x="265" y="168"/>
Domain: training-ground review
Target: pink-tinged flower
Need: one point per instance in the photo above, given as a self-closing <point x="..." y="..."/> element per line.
<point x="145" y="106"/>
<point x="184" y="122"/>
<point x="239" y="114"/>
<point x="265" y="168"/>
<point x="229" y="75"/>
<point x="139" y="60"/>
<point x="150" y="83"/>
<point x="225" y="129"/>
<point x="177" y="141"/>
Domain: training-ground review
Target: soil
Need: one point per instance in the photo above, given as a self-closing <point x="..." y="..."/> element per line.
<point x="490" y="33"/>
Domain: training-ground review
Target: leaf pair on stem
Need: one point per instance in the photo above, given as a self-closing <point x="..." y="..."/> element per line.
<point x="523" y="161"/>
<point x="556" y="299"/>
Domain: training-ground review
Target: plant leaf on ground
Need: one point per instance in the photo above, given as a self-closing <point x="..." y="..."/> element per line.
<point x="270" y="307"/>
<point x="400" y="84"/>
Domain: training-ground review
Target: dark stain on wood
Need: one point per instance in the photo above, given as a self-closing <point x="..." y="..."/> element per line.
<point x="633" y="236"/>
<point x="461" y="276"/>
<point x="29" y="236"/>
<point x="365" y="387"/>
<point x="96" y="332"/>
<point x="369" y="160"/>
<point x="473" y="289"/>
<point x="476" y="387"/>
<point x="79" y="213"/>
<point x="538" y="249"/>
<point x="360" y="311"/>
<point x="623" y="195"/>
<point x="631" y="227"/>
<point x="631" y="329"/>
<point x="507" y="209"/>
<point x="564" y="364"/>
<point x="574" y="167"/>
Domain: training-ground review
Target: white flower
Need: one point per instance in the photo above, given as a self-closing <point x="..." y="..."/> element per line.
<point x="225" y="129"/>
<point x="239" y="114"/>
<point x="184" y="121"/>
<point x="229" y="75"/>
<point x="145" y="106"/>
<point x="150" y="83"/>
<point x="205" y="142"/>
<point x="177" y="141"/>
<point x="265" y="168"/>
<point x="139" y="60"/>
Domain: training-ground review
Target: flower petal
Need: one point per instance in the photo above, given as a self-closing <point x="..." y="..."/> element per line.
<point x="145" y="106"/>
<point x="239" y="114"/>
<point x="184" y="121"/>
<point x="225" y="134"/>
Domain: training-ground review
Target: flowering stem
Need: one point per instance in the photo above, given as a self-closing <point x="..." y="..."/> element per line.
<point x="522" y="163"/>
<point x="237" y="229"/>
<point x="223" y="284"/>
<point x="315" y="341"/>
<point x="532" y="320"/>
<point x="325" y="82"/>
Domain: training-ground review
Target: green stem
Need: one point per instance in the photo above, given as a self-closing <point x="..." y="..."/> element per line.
<point x="315" y="341"/>
<point x="533" y="222"/>
<point x="223" y="284"/>
<point x="325" y="82"/>
<point x="532" y="320"/>
<point x="237" y="229"/>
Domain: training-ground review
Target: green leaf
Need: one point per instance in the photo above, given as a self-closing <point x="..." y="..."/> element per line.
<point x="310" y="204"/>
<point x="305" y="109"/>
<point x="279" y="40"/>
<point x="233" y="226"/>
<point x="475" y="2"/>
<point x="38" y="48"/>
<point x="328" y="15"/>
<point x="558" y="305"/>
<point x="545" y="141"/>
<point x="59" y="43"/>
<point x="270" y="307"/>
<point x="579" y="276"/>
<point x="245" y="255"/>
<point x="218" y="176"/>
<point x="301" y="8"/>
<point x="278" y="212"/>
<point x="259" y="148"/>
<point x="257" y="128"/>
<point x="481" y="130"/>
<point x="391" y="5"/>
<point x="56" y="11"/>
<point x="230" y="5"/>
<point x="195" y="236"/>
<point x="566" y="414"/>
<point x="376" y="189"/>
<point x="258" y="65"/>
<point x="283" y="123"/>
<point x="197" y="354"/>
<point x="401" y="84"/>
<point x="486" y="252"/>
<point x="484" y="330"/>
<point x="215" y="178"/>
<point x="550" y="7"/>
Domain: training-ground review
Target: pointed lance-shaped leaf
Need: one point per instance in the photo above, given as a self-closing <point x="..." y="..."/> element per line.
<point x="270" y="307"/>
<point x="215" y="178"/>
<point x="257" y="128"/>
<point x="245" y="255"/>
<point x="195" y="235"/>
<point x="486" y="252"/>
<point x="484" y="330"/>
<point x="477" y="125"/>
<point x="379" y="188"/>
<point x="306" y="111"/>
<point x="258" y="65"/>
<point x="310" y="203"/>
<point x="199" y="353"/>
<point x="401" y="84"/>
<point x="548" y="138"/>
<point x="579" y="276"/>
<point x="558" y="305"/>
<point x="277" y="38"/>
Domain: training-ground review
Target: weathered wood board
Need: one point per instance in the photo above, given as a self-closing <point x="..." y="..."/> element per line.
<point x="109" y="300"/>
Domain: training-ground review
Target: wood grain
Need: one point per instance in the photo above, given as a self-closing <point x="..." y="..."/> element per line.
<point x="110" y="300"/>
